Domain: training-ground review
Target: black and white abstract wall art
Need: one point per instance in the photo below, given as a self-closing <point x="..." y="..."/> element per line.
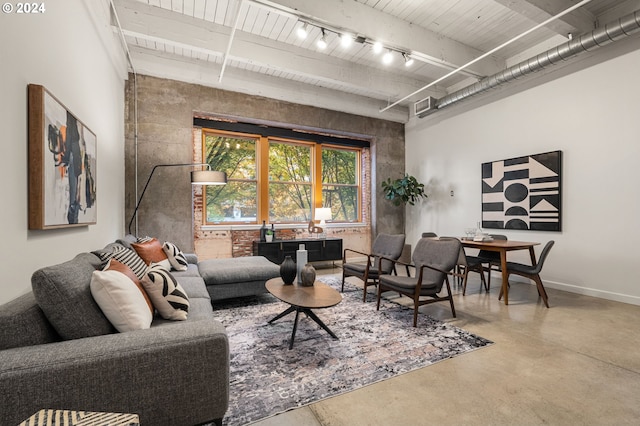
<point x="523" y="193"/>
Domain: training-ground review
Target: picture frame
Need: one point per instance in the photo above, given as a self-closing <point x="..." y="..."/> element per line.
<point x="62" y="165"/>
<point x="523" y="193"/>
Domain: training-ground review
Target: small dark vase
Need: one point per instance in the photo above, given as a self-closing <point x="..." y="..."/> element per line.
<point x="288" y="270"/>
<point x="308" y="275"/>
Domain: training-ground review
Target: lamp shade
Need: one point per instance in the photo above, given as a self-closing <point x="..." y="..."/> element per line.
<point x="322" y="214"/>
<point x="208" y="177"/>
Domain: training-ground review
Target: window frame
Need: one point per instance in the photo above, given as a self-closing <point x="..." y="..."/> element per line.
<point x="262" y="175"/>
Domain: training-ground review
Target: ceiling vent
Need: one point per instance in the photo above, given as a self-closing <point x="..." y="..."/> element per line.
<point x="425" y="107"/>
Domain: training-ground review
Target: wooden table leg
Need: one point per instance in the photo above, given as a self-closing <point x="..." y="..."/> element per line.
<point x="505" y="276"/>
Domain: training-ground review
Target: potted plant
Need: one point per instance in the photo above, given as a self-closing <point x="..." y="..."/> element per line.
<point x="268" y="235"/>
<point x="404" y="190"/>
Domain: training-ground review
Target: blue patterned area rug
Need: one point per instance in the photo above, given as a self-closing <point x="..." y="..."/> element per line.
<point x="267" y="378"/>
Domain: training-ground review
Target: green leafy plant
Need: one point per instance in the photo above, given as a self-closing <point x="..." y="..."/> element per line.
<point x="268" y="232"/>
<point x="404" y="190"/>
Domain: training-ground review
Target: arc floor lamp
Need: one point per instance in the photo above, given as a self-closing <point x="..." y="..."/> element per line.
<point x="198" y="177"/>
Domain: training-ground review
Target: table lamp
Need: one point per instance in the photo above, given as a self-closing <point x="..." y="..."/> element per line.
<point x="322" y="214"/>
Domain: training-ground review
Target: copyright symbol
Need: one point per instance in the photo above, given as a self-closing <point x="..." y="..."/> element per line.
<point x="7" y="8"/>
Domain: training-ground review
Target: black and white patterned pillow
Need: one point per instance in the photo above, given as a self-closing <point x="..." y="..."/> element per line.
<point x="128" y="257"/>
<point x="166" y="294"/>
<point x="176" y="257"/>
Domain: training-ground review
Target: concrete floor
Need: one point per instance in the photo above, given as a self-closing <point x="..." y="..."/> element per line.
<point x="577" y="363"/>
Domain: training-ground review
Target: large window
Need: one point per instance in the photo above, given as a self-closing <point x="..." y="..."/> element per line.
<point x="279" y="180"/>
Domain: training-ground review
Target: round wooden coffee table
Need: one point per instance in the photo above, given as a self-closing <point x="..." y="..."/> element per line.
<point x="303" y="299"/>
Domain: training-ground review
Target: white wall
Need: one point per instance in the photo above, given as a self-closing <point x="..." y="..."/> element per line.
<point x="593" y="116"/>
<point x="71" y="50"/>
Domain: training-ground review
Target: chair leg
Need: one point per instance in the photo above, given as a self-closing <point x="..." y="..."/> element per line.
<point x="366" y="281"/>
<point x="342" y="289"/>
<point x="484" y="282"/>
<point x="464" y="282"/>
<point x="541" y="290"/>
<point x="379" y="292"/>
<point x="416" y="305"/>
<point x="453" y="309"/>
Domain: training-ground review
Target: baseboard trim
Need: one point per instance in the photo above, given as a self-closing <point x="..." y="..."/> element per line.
<point x="602" y="294"/>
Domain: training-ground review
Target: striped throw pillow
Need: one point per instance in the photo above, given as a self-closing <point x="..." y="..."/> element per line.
<point x="166" y="294"/>
<point x="126" y="256"/>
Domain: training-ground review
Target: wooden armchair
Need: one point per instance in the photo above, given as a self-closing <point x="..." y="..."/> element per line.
<point x="385" y="246"/>
<point x="433" y="260"/>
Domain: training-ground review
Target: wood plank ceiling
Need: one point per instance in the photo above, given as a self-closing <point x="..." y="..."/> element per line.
<point x="252" y="45"/>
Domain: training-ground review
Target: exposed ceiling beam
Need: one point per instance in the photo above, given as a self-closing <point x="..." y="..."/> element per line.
<point x="391" y="31"/>
<point x="175" y="29"/>
<point x="577" y="22"/>
<point x="164" y="65"/>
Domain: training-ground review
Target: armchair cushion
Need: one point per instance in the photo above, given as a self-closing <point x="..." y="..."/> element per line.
<point x="359" y="269"/>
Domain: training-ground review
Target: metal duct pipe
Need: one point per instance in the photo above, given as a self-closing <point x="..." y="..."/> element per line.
<point x="611" y="32"/>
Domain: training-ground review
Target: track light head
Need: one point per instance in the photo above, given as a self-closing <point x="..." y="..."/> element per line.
<point x="387" y="58"/>
<point x="408" y="60"/>
<point x="322" y="41"/>
<point x="377" y="47"/>
<point x="302" y="31"/>
<point x="346" y="40"/>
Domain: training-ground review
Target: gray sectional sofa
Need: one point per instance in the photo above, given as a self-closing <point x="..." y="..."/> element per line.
<point x="58" y="350"/>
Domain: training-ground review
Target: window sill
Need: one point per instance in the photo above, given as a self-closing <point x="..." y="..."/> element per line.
<point x="242" y="227"/>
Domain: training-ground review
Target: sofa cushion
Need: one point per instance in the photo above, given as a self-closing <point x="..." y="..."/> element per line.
<point x="167" y="295"/>
<point x="237" y="270"/>
<point x="120" y="300"/>
<point x="22" y="323"/>
<point x="150" y="250"/>
<point x="176" y="256"/>
<point x="64" y="295"/>
<point x="193" y="286"/>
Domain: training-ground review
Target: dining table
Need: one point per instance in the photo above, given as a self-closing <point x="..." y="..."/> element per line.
<point x="502" y="247"/>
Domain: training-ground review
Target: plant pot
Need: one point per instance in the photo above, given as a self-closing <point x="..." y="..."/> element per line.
<point x="268" y="238"/>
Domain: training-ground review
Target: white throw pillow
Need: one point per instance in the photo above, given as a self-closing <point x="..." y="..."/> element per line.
<point x="120" y="300"/>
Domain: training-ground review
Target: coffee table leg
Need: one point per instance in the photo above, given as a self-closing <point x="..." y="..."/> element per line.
<point x="280" y="315"/>
<point x="295" y="327"/>
<point x="319" y="321"/>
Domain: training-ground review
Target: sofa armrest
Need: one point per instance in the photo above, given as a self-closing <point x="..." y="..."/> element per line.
<point x="173" y="374"/>
<point x="191" y="258"/>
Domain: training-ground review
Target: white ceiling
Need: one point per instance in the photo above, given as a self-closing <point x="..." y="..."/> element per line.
<point x="251" y="45"/>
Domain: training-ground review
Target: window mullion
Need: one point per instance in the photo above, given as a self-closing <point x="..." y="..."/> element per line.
<point x="263" y="179"/>
<point x="317" y="178"/>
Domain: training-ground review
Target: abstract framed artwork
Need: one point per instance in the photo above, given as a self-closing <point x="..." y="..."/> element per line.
<point x="62" y="165"/>
<point x="523" y="193"/>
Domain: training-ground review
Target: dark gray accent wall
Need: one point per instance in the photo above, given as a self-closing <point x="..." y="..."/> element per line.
<point x="165" y="110"/>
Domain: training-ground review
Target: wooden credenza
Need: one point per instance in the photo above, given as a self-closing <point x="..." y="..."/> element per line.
<point x="323" y="249"/>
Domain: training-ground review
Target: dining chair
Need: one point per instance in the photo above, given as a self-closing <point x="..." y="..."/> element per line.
<point x="432" y="262"/>
<point x="491" y="258"/>
<point x="532" y="271"/>
<point x="388" y="246"/>
<point x="465" y="265"/>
